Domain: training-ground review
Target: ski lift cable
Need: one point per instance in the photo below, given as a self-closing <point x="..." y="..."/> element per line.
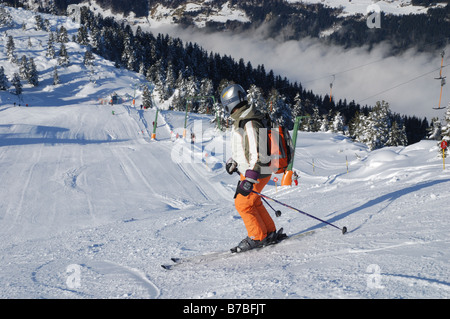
<point x="343" y="71"/>
<point x="333" y="75"/>
<point x="366" y="64"/>
<point x="403" y="83"/>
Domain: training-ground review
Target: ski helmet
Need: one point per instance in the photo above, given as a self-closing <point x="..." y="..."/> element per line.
<point x="232" y="96"/>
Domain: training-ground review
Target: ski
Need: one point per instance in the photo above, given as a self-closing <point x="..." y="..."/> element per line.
<point x="279" y="237"/>
<point x="287" y="238"/>
<point x="199" y="259"/>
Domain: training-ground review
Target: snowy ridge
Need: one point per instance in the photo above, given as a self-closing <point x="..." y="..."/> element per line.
<point x="205" y="11"/>
<point x="90" y="206"/>
<point x="163" y="15"/>
<point x="396" y="7"/>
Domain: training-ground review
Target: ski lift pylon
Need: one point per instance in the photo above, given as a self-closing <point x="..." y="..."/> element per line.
<point x="442" y="78"/>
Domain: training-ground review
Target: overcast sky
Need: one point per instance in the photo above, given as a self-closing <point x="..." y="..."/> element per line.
<point x="406" y="82"/>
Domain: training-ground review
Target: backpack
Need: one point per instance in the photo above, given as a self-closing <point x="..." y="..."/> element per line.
<point x="279" y="148"/>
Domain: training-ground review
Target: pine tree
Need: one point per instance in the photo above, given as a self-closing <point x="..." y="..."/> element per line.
<point x="206" y="91"/>
<point x="56" y="80"/>
<point x="127" y="52"/>
<point x="435" y="130"/>
<point x="297" y="108"/>
<point x="52" y="7"/>
<point x="397" y="135"/>
<point x="95" y="38"/>
<point x="179" y="101"/>
<point x="378" y="126"/>
<point x="357" y="127"/>
<point x="5" y="18"/>
<point x="337" y="125"/>
<point x="161" y="71"/>
<point x="4" y="83"/>
<point x="17" y="84"/>
<point x="170" y="79"/>
<point x="47" y="26"/>
<point x="154" y="73"/>
<point x="63" y="58"/>
<point x="255" y="98"/>
<point x="50" y="46"/>
<point x="82" y="35"/>
<point x="280" y="111"/>
<point x="158" y="78"/>
<point x="192" y="86"/>
<point x="88" y="58"/>
<point x="39" y="23"/>
<point x="219" y="117"/>
<point x="446" y="127"/>
<point x="10" y="47"/>
<point x="141" y="68"/>
<point x="314" y="122"/>
<point x="33" y="75"/>
<point x="23" y="67"/>
<point x="146" y="97"/>
<point x="324" y="124"/>
<point x="62" y="36"/>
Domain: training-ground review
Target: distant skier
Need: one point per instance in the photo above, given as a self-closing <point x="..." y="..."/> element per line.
<point x="295" y="178"/>
<point x="246" y="159"/>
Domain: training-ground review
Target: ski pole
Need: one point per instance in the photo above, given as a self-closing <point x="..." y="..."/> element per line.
<point x="343" y="229"/>
<point x="277" y="212"/>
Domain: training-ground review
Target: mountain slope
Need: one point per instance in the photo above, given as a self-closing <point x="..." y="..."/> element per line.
<point x="90" y="206"/>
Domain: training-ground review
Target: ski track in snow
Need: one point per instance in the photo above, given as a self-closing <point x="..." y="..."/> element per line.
<point x="102" y="272"/>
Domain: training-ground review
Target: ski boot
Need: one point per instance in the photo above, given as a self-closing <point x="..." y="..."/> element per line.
<point x="275" y="237"/>
<point x="246" y="244"/>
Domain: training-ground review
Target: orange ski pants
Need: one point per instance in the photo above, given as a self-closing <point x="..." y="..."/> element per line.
<point x="255" y="216"/>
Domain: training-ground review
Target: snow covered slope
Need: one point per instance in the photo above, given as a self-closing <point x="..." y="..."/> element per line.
<point x="83" y="188"/>
<point x="90" y="207"/>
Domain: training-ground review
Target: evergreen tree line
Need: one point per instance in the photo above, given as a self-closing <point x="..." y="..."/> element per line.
<point x="188" y="75"/>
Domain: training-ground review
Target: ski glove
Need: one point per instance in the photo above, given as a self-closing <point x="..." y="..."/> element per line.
<point x="245" y="187"/>
<point x="231" y="166"/>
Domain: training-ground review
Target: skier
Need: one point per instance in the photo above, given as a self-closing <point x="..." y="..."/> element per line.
<point x="254" y="174"/>
<point x="295" y="178"/>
